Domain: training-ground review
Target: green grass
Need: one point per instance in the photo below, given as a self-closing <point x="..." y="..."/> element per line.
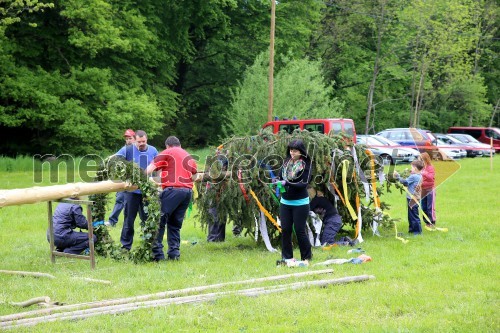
<point x="440" y="282"/>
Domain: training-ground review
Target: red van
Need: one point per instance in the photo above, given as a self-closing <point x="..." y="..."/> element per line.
<point x="481" y="134"/>
<point x="325" y="126"/>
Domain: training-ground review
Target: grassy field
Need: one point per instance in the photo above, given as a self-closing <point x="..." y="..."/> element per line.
<point x="439" y="282"/>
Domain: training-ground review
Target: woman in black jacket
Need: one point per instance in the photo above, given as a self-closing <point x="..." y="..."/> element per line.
<point x="294" y="204"/>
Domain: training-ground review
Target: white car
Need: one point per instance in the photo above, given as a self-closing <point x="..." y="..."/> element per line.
<point x="414" y="153"/>
<point x="450" y="151"/>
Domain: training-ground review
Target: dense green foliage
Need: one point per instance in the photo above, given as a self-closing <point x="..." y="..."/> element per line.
<point x="250" y="161"/>
<point x="74" y="74"/>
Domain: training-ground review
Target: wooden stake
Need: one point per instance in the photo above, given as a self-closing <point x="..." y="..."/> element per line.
<point x="34" y="274"/>
<point x="43" y="299"/>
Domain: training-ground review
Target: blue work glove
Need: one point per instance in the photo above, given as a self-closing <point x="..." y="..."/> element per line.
<point x="97" y="223"/>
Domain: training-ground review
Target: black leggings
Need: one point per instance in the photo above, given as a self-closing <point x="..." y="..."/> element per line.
<point x="294" y="217"/>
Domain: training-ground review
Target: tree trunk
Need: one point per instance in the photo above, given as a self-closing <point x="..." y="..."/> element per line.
<point x="494" y="112"/>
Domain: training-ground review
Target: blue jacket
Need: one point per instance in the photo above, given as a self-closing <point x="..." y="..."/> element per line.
<point x="66" y="218"/>
<point x="411" y="182"/>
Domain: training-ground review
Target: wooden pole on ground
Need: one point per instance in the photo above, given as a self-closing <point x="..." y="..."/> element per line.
<point x="23" y="273"/>
<point x="160" y="295"/>
<point x="80" y="314"/>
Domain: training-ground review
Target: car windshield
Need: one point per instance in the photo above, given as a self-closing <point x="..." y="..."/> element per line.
<point x="448" y="139"/>
<point x="464" y="138"/>
<point x="369" y="141"/>
<point x="452" y="139"/>
<point x="470" y="138"/>
<point x="385" y="141"/>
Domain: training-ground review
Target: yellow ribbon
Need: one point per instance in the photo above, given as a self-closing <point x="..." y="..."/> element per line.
<point x="423" y="213"/>
<point x="376" y="198"/>
<point x="263" y="210"/>
<point x="399" y="238"/>
<point x="195" y="192"/>
<point x="345" y="167"/>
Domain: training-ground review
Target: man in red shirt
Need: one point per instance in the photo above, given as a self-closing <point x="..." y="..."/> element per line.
<point x="176" y="168"/>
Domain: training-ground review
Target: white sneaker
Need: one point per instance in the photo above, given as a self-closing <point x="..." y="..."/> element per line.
<point x="108" y="224"/>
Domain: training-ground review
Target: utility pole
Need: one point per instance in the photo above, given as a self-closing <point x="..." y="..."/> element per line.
<point x="271" y="63"/>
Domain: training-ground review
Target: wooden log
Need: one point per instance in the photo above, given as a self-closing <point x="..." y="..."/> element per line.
<point x="92" y="280"/>
<point x="36" y="300"/>
<point x="160" y="295"/>
<point x="23" y="273"/>
<point x="116" y="309"/>
<point x="38" y="194"/>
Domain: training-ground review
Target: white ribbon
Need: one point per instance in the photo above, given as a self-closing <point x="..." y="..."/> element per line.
<point x="264" y="234"/>
<point x="317" y="224"/>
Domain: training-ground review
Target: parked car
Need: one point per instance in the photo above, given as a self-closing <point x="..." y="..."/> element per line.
<point x="469" y="140"/>
<point x="387" y="155"/>
<point x="325" y="126"/>
<point x="394" y="145"/>
<point x="416" y="138"/>
<point x="451" y="151"/>
<point x="470" y="150"/>
<point x="482" y="134"/>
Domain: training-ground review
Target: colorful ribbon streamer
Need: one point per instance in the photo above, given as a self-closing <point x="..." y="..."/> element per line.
<point x="423" y="213"/>
<point x="242" y="188"/>
<point x="263" y="210"/>
<point x="345" y="167"/>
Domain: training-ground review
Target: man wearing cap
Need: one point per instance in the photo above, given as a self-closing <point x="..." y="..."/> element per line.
<point x="142" y="154"/>
<point x="129" y="136"/>
<point x="176" y="168"/>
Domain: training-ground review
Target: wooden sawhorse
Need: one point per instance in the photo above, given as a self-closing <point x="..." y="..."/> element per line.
<point x="53" y="252"/>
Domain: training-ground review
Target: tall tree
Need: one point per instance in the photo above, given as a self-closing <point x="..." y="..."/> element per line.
<point x="300" y="92"/>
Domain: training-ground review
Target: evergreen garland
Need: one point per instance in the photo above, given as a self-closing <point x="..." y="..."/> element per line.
<point x="117" y="168"/>
<point x="256" y="154"/>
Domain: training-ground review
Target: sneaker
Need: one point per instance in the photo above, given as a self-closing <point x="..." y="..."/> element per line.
<point x="86" y="252"/>
<point x="174" y="258"/>
<point x="109" y="224"/>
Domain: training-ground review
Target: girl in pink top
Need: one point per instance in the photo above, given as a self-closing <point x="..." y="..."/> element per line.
<point x="428" y="201"/>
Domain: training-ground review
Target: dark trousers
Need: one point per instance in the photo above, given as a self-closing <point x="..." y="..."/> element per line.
<point x="74" y="242"/>
<point x="174" y="203"/>
<point x="217" y="229"/>
<point x="134" y="205"/>
<point x="331" y="226"/>
<point x="294" y="217"/>
<point x="427" y="203"/>
<point x="117" y="209"/>
<point x="413" y="219"/>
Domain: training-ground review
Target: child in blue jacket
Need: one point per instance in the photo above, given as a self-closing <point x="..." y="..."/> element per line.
<point x="413" y="182"/>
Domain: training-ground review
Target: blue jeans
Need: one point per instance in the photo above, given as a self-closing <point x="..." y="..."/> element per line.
<point x="174" y="203"/>
<point x="119" y="204"/>
<point x="413" y="219"/>
<point x="134" y="205"/>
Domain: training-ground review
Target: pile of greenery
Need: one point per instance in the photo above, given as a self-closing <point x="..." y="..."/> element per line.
<point x="249" y="161"/>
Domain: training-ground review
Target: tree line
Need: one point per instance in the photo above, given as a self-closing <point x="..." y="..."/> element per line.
<point x="75" y="74"/>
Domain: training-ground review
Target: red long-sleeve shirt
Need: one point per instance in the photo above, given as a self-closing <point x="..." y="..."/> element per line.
<point x="176" y="167"/>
